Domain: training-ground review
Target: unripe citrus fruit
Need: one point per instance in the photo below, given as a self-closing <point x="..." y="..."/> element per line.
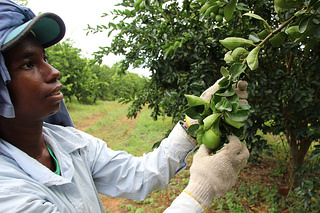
<point x="210" y="139"/>
<point x="221" y="11"/>
<point x="219" y="18"/>
<point x="286" y="4"/>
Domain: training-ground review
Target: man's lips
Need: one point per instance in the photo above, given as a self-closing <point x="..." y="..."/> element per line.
<point x="55" y="91"/>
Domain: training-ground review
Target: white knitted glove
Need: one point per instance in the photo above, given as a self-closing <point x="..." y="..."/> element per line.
<point x="213" y="175"/>
<point x="241" y="91"/>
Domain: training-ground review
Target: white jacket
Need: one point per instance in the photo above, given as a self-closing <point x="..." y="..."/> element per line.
<point x="88" y="167"/>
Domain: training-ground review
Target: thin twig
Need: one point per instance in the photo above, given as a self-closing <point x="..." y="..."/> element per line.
<point x="276" y="30"/>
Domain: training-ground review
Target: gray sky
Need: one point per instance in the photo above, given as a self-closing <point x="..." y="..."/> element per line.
<point x="77" y="14"/>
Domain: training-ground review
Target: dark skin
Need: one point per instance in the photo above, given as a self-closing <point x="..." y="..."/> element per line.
<point x="35" y="93"/>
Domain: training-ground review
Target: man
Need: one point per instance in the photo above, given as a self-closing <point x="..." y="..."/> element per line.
<point x="51" y="168"/>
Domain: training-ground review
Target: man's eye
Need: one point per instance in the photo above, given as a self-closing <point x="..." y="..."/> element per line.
<point x="45" y="58"/>
<point x="27" y="65"/>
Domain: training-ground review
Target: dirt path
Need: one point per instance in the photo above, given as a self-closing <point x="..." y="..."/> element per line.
<point x="88" y="121"/>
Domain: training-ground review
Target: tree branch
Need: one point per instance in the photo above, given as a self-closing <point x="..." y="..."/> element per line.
<point x="276" y="30"/>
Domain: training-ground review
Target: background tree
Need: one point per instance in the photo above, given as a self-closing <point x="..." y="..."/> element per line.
<point x="67" y="59"/>
<point x="179" y="43"/>
<point x="89" y="81"/>
<point x="24" y="2"/>
<point x="175" y="45"/>
<point x="123" y="85"/>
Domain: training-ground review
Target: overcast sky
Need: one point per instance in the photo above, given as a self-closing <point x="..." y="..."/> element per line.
<point x="77" y="14"/>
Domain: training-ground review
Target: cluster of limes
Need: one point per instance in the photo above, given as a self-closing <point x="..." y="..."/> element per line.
<point x="222" y="115"/>
<point x="215" y="11"/>
<point x="218" y="14"/>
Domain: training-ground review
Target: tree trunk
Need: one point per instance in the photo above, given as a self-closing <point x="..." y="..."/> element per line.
<point x="293" y="153"/>
<point x="298" y="151"/>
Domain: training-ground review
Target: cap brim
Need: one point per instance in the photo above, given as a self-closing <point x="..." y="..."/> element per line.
<point x="48" y="29"/>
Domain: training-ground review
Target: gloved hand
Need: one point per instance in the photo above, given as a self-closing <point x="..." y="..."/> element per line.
<point x="213" y="175"/>
<point x="240" y="89"/>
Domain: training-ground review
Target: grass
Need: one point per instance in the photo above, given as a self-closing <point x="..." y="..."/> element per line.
<point x="258" y="188"/>
<point x="107" y="120"/>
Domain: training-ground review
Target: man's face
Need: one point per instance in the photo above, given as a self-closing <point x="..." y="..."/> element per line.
<point x="34" y="88"/>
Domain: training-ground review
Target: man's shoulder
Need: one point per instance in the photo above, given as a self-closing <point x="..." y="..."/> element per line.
<point x="68" y="138"/>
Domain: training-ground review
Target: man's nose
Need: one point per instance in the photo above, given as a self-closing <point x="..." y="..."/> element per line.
<point x="52" y="74"/>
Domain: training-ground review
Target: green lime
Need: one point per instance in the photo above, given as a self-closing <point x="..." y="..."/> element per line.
<point x="142" y="5"/>
<point x="210" y="139"/>
<point x="219" y="18"/>
<point x="221" y="11"/>
<point x="287" y="4"/>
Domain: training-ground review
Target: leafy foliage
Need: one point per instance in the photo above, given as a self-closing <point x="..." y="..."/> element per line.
<point x="182" y="45"/>
<point x="222" y="115"/>
<point x="178" y="48"/>
<point x="87" y="81"/>
<point x="307" y="189"/>
<point x="24" y="2"/>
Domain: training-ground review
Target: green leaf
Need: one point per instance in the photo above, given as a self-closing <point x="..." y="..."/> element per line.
<point x="239" y="115"/>
<point x="303" y="25"/>
<point x="234" y="42"/>
<point x="224" y="83"/>
<point x="204" y="8"/>
<point x="147" y="2"/>
<point x="228" y="58"/>
<point x="263" y="34"/>
<point x="287" y="4"/>
<point x="242" y="6"/>
<point x="278" y="39"/>
<point x="233" y="123"/>
<point x="195" y="100"/>
<point x="235" y="105"/>
<point x="225" y="93"/>
<point x="199" y="135"/>
<point x="311" y="3"/>
<point x="293" y="31"/>
<point x="210" y="10"/>
<point x="113" y="25"/>
<point x="236" y="70"/>
<point x="224" y="105"/>
<point x="194" y="112"/>
<point x="252" y="59"/>
<point x="168" y="51"/>
<point x="192" y="130"/>
<point x="137" y="3"/>
<point x="229" y="9"/>
<point x="224" y="71"/>
<point x="316" y="21"/>
<point x="176" y="44"/>
<point x="239" y="53"/>
<point x="244" y="106"/>
<point x="109" y="33"/>
<point x="317" y="32"/>
<point x="252" y="15"/>
<point x="254" y="37"/>
<point x="209" y="120"/>
<point x="216" y="127"/>
<point x="234" y="99"/>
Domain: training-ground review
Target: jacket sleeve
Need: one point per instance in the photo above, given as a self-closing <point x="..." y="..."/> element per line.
<point x="119" y="174"/>
<point x="25" y="202"/>
<point x="185" y="203"/>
